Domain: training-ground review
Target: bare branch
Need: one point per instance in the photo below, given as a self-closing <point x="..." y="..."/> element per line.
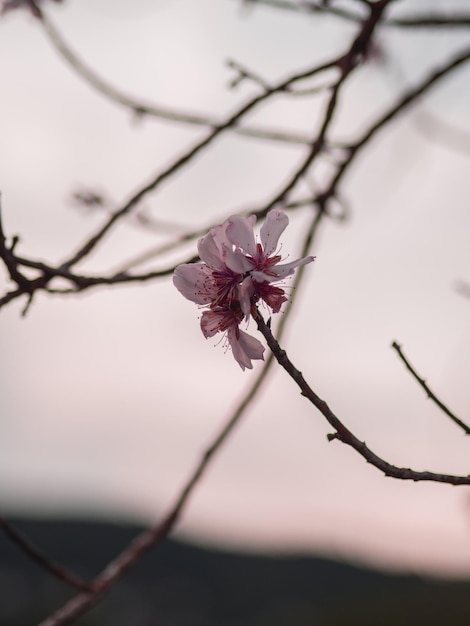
<point x="431" y="20"/>
<point x="428" y="20"/>
<point x="310" y="8"/>
<point x="346" y="63"/>
<point x="429" y="393"/>
<point x="8" y="256"/>
<point x="141" y="108"/>
<point x="410" y="97"/>
<point x="344" y="434"/>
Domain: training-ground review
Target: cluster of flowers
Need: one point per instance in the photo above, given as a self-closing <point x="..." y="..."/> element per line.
<point x="235" y="274"/>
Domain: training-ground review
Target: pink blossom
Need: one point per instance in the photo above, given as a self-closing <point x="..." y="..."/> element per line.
<point x="235" y="273"/>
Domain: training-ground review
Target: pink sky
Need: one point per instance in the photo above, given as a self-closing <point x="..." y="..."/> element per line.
<point x="109" y="398"/>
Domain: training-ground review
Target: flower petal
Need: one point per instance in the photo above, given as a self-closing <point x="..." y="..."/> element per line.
<point x="194" y="281"/>
<point x="272" y="295"/>
<point x="274" y="225"/>
<point x="244" y="348"/>
<point x="236" y="261"/>
<point x="245" y="290"/>
<point x="209" y="252"/>
<point x="240" y="233"/>
<point x="210" y="323"/>
<point x="278" y="272"/>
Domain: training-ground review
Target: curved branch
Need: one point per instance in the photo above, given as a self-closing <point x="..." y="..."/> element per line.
<point x="341" y="432"/>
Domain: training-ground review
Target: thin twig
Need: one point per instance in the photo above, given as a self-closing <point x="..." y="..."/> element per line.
<point x="189" y="156"/>
<point x="428" y="391"/>
<point x="430" y="20"/>
<point x="8" y="256"/>
<point x="436" y="20"/>
<point x="39" y="557"/>
<point x="409" y="98"/>
<point x="346" y="63"/>
<point x="308" y="8"/>
<point x="152" y="110"/>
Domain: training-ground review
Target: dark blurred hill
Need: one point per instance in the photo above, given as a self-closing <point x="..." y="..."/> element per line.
<point x="183" y="585"/>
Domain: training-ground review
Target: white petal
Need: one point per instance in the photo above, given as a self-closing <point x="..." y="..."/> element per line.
<point x="244" y="348"/>
<point x="284" y="270"/>
<point x="193" y="280"/>
<point x="240" y="233"/>
<point x="274" y="225"/>
<point x="220" y="235"/>
<point x="253" y="348"/>
<point x="209" y="252"/>
<point x="236" y="261"/>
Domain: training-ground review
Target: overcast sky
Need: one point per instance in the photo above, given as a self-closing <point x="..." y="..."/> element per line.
<point x="109" y="398"/>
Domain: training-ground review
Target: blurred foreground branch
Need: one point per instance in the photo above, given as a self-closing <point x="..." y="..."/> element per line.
<point x="151" y="537"/>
